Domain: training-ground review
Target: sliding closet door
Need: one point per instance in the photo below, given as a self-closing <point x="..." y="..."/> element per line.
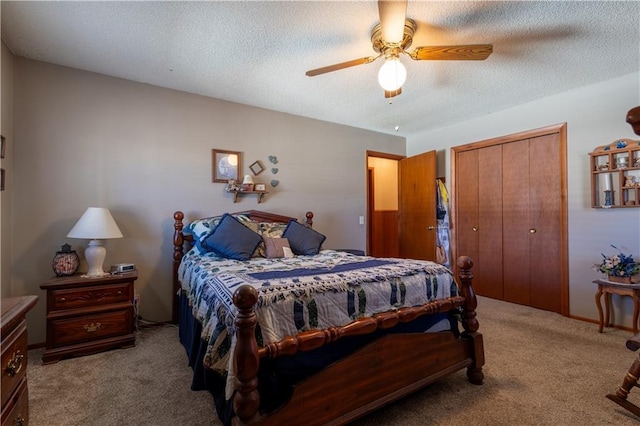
<point x="516" y="222"/>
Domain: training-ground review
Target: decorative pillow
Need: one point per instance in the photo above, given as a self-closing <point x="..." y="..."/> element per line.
<point x="287" y="252"/>
<point x="302" y="239"/>
<point x="232" y="239"/>
<point x="274" y="247"/>
<point x="271" y="230"/>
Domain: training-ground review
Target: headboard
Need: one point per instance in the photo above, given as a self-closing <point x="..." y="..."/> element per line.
<point x="179" y="240"/>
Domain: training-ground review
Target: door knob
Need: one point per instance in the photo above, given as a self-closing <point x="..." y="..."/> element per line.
<point x="475" y="229"/>
<point x="431" y="228"/>
<point x="532" y="231"/>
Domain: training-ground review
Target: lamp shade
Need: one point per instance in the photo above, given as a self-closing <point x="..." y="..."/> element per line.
<point x="247" y="179"/>
<point x="95" y="224"/>
<point x="392" y="74"/>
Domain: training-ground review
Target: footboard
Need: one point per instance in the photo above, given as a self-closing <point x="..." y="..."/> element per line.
<point x="406" y="362"/>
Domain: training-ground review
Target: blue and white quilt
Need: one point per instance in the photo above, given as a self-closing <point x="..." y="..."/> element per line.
<point x="302" y="293"/>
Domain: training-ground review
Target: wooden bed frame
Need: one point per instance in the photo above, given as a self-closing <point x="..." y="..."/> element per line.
<point x="381" y="372"/>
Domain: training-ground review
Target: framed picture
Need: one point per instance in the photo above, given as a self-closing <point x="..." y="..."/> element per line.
<point x="256" y="168"/>
<point x="3" y="146"/>
<point x="260" y="187"/>
<point x="226" y="165"/>
<point x="1" y="179"/>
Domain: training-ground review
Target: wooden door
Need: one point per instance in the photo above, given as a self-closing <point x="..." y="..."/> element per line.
<point x="479" y="216"/>
<point x="545" y="200"/>
<point x="466" y="224"/>
<point x="490" y="231"/>
<point x="519" y="184"/>
<point x="417" y="205"/>
<point x="516" y="222"/>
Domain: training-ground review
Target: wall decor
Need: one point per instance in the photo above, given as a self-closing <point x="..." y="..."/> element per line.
<point x="226" y="165"/>
<point x="275" y="183"/>
<point x="256" y="168"/>
<point x="3" y="145"/>
<point x="1" y="179"/>
<point x="273" y="159"/>
<point x="274" y="170"/>
<point x="259" y="187"/>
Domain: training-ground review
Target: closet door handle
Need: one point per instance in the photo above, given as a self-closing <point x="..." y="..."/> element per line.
<point x="431" y="228"/>
<point x="532" y="231"/>
<point x="474" y="229"/>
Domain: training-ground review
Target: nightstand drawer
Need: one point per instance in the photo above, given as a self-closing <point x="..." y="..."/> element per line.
<point x="17" y="410"/>
<point x="14" y="360"/>
<point x="93" y="296"/>
<point x="91" y="327"/>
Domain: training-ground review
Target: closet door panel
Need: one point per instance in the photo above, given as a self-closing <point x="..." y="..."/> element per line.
<point x="546" y="221"/>
<point x="467" y="211"/>
<point x="515" y="214"/>
<point x="490" y="222"/>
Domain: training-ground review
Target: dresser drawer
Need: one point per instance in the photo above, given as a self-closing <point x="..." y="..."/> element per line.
<point x="90" y="327"/>
<point x="16" y="413"/>
<point x="93" y="296"/>
<point x="14" y="360"/>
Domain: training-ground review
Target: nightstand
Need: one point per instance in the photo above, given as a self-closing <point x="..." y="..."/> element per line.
<point x="15" y="396"/>
<point x="88" y="315"/>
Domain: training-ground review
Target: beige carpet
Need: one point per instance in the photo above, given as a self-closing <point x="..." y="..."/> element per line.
<point x="541" y="369"/>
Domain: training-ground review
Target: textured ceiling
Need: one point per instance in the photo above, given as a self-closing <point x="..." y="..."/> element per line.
<point x="257" y="53"/>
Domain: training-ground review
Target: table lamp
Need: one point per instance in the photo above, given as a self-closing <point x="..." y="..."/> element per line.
<point x="96" y="224"/>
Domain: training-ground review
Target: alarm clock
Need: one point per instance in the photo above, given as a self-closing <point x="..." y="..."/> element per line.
<point x="122" y="268"/>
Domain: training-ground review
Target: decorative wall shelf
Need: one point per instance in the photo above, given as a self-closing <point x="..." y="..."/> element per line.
<point x="260" y="194"/>
<point x="615" y="174"/>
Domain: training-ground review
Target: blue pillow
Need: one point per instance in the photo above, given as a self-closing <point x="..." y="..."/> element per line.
<point x="231" y="239"/>
<point x="302" y="239"/>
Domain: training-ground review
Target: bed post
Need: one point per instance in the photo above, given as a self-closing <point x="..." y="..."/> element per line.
<point x="178" y="252"/>
<point x="309" y="219"/>
<point x="469" y="320"/>
<point x="247" y="361"/>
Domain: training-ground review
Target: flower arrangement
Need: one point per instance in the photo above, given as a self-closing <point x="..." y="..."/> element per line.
<point x="620" y="265"/>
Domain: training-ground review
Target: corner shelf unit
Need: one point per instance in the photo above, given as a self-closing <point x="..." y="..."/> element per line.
<point x="615" y="175"/>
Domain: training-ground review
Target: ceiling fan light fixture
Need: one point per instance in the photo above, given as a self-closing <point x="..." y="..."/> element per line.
<point x="392" y="74"/>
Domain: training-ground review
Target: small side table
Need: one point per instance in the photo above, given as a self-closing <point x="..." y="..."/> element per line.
<point x="608" y="288"/>
<point x="88" y="315"/>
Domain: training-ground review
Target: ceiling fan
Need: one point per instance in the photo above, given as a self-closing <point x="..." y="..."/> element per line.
<point x="392" y="37"/>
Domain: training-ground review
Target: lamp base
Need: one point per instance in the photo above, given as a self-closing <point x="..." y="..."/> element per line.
<point x="95" y="254"/>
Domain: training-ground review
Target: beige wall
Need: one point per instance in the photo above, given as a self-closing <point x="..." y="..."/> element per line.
<point x="385" y="183"/>
<point x="595" y="115"/>
<point x="85" y="139"/>
<point x="6" y="128"/>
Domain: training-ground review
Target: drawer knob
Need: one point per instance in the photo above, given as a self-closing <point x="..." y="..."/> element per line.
<point x="119" y="292"/>
<point x="19" y="421"/>
<point x="15" y="364"/>
<point x="91" y="328"/>
<point x="63" y="299"/>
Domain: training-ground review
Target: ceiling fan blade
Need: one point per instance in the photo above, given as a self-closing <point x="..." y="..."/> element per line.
<point x="341" y="65"/>
<point x="469" y="52"/>
<point x="392" y="17"/>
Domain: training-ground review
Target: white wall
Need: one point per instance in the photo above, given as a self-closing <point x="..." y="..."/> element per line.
<point x="84" y="139"/>
<point x="595" y="115"/>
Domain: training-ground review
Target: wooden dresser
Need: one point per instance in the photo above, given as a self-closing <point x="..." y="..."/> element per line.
<point x="88" y="315"/>
<point x="15" y="398"/>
